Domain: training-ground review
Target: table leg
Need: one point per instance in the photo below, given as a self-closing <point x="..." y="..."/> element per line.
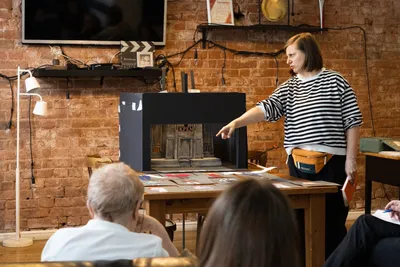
<point x="314" y="218"/>
<point x="368" y="185"/>
<point x="156" y="209"/>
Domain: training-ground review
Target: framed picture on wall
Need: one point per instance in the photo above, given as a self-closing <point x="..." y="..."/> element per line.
<point x="144" y="59"/>
<point x="220" y="12"/>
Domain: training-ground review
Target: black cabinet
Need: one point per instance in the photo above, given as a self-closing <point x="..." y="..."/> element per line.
<point x="139" y="111"/>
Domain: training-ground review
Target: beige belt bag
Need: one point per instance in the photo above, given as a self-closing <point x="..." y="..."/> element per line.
<point x="310" y="161"/>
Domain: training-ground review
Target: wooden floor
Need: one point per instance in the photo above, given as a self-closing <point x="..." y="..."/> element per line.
<point x="32" y="253"/>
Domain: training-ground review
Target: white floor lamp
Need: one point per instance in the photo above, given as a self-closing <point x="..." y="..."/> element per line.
<point x="40" y="109"/>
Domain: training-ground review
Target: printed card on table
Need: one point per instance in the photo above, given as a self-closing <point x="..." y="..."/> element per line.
<point x="227" y="180"/>
<point x="188" y="178"/>
<point x="161" y="189"/>
<point x="147" y="180"/>
<point x="194" y="188"/>
<point x="192" y="181"/>
<point x="178" y="175"/>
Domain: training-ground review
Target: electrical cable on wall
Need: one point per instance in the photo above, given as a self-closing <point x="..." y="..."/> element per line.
<point x="276" y="54"/>
<point x="68" y="95"/>
<point x="223" y="67"/>
<point x="30" y="140"/>
<point x="161" y="61"/>
<point x="277" y="72"/>
<point x="164" y="60"/>
<point x="10" y="79"/>
<point x="12" y="106"/>
<point x="366" y="69"/>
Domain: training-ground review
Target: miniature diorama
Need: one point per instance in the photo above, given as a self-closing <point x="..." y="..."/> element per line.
<point x="182" y="145"/>
<point x="175" y="132"/>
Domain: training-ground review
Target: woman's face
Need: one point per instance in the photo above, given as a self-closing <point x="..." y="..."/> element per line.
<point x="295" y="58"/>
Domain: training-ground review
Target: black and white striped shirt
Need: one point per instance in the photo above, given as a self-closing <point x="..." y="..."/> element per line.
<point x="318" y="111"/>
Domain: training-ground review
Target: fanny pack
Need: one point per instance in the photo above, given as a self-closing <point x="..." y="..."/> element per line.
<point x="310" y="162"/>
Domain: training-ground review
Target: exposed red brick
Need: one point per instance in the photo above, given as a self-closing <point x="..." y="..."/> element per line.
<point x="88" y="122"/>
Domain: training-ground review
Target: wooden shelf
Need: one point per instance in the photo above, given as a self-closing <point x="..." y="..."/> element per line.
<point x="269" y="27"/>
<point x="204" y="28"/>
<point x="144" y="73"/>
<point x="150" y="74"/>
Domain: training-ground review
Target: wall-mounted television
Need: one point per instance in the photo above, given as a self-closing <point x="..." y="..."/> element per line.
<point x="93" y="22"/>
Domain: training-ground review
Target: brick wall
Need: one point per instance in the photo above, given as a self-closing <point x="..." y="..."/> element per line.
<point x="88" y="122"/>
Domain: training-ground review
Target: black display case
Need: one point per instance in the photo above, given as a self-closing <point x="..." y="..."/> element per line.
<point x="139" y="111"/>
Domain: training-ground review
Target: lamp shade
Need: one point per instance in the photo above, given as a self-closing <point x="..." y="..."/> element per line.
<point x="40" y="108"/>
<point x="31" y="83"/>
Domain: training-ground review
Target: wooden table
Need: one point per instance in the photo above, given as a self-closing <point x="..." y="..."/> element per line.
<point x="311" y="199"/>
<point x="380" y="168"/>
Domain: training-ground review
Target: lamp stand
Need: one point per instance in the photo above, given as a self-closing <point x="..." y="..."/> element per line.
<point x="17" y="241"/>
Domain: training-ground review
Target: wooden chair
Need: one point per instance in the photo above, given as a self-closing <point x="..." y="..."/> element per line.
<point x="139" y="262"/>
<point x="200" y="221"/>
<point x="259" y="157"/>
<point x="95" y="162"/>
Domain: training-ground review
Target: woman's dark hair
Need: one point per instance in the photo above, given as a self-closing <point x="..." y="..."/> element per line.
<point x="250" y="225"/>
<point x="307" y="43"/>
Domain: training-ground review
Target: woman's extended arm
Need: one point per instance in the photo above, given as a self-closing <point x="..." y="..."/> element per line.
<point x="251" y="116"/>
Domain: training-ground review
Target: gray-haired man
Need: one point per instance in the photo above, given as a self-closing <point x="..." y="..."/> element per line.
<point x="114" y="197"/>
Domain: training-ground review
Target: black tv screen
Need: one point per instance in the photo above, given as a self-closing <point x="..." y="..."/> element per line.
<point x="93" y="22"/>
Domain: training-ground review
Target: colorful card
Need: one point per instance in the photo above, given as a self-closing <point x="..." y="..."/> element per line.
<point x="160" y="189"/>
<point x="227" y="180"/>
<point x="178" y="175"/>
<point x="203" y="188"/>
<point x="192" y="181"/>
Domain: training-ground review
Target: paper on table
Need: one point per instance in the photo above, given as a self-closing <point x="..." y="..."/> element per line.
<point x="156" y="176"/>
<point x="285" y="185"/>
<point x="313" y="183"/>
<point x="385" y="216"/>
<point x="265" y="169"/>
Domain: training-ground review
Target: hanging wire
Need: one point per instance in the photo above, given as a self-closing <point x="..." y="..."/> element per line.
<point x="30" y="141"/>
<point x="366" y="69"/>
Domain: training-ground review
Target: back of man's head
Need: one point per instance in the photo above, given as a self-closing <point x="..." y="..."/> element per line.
<point x="114" y="191"/>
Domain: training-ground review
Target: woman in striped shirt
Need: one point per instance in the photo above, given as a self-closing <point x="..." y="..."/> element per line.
<point x="321" y="114"/>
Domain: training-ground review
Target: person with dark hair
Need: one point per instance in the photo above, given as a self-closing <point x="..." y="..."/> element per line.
<point x="322" y="120"/>
<point x="250" y="225"/>
<point x="114" y="196"/>
<point x="366" y="232"/>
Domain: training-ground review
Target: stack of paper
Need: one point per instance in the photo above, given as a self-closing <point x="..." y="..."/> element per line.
<point x="381" y="214"/>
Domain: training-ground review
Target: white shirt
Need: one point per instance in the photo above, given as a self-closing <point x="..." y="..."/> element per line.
<point x="101" y="240"/>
